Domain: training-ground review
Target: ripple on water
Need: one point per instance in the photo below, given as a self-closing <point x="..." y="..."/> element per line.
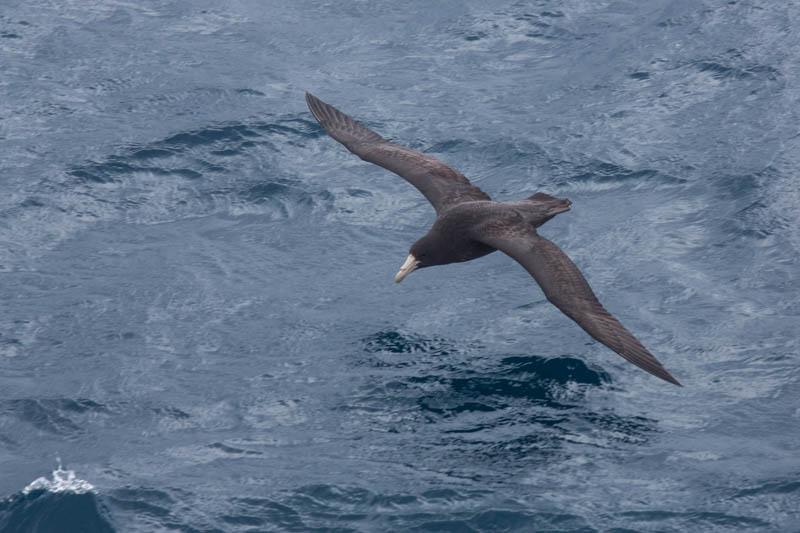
<point x="57" y="416"/>
<point x="721" y="71"/>
<point x="324" y="507"/>
<point x="693" y="520"/>
<point x="602" y="175"/>
<point x="229" y="169"/>
<point x="149" y="509"/>
<point x="508" y="410"/>
<point x="517" y="23"/>
<point x="394" y="342"/>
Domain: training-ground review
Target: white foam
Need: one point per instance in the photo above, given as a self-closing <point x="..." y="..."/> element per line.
<point x="63" y="481"/>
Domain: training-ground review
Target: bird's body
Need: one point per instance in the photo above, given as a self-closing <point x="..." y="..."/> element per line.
<point x="469" y="225"/>
<point x="453" y="230"/>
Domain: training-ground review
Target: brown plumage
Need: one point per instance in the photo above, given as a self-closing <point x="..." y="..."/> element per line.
<point x="469" y="225"/>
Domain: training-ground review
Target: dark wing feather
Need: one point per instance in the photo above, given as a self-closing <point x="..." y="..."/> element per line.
<point x="440" y="183"/>
<point x="566" y="288"/>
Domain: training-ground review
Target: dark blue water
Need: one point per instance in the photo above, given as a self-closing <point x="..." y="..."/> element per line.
<point x="199" y="318"/>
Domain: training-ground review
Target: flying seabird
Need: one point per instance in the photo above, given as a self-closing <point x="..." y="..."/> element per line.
<point x="470" y="225"/>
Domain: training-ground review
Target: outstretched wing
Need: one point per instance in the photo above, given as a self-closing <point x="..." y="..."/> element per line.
<point x="440" y="183"/>
<point x="566" y="288"/>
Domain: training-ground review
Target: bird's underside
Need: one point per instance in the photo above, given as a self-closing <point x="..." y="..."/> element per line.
<point x="466" y="212"/>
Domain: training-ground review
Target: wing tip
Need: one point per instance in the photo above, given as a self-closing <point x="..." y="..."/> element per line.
<point x="310" y="98"/>
<point x="657" y="370"/>
<point x="327" y="115"/>
<point x="668" y="378"/>
<point x="654" y="367"/>
<point x="315" y="105"/>
<point x="339" y="125"/>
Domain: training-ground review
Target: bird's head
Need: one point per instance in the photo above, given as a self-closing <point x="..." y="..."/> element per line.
<point x="423" y="253"/>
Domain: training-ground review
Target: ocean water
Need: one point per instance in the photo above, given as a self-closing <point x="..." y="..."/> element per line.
<point x="200" y="331"/>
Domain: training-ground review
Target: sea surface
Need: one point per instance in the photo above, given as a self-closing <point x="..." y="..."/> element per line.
<point x="199" y="327"/>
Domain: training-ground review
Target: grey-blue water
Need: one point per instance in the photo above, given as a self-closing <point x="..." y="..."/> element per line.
<point x="199" y="318"/>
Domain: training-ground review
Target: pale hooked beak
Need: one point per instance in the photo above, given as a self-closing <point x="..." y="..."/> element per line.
<point x="408" y="267"/>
